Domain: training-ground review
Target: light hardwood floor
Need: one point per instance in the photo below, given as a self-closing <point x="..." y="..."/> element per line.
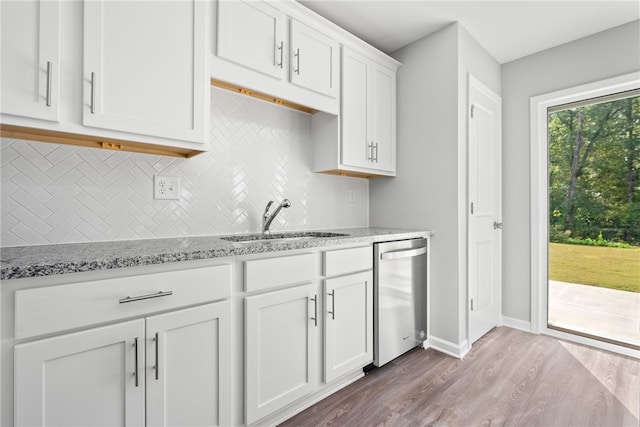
<point x="509" y="378"/>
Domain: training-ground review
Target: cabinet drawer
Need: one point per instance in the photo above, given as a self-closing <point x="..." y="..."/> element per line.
<point x="271" y="272"/>
<point x="344" y="261"/>
<point x="57" y="308"/>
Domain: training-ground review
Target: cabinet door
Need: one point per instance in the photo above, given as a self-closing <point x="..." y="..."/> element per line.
<point x="383" y="118"/>
<point x="90" y="378"/>
<point x="315" y="60"/>
<point x="252" y="34"/>
<point x="30" y="58"/>
<point x="348" y="324"/>
<point x="356" y="74"/>
<point x="145" y="67"/>
<point x="281" y="345"/>
<point x="188" y="367"/>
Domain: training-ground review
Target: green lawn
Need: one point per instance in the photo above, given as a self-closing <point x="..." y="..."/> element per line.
<point x="614" y="268"/>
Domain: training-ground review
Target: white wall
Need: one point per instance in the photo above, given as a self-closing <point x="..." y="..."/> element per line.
<point x="597" y="57"/>
<point x="429" y="190"/>
<point x="53" y="193"/>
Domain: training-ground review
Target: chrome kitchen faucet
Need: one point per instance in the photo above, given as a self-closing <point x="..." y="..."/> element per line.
<point x="268" y="218"/>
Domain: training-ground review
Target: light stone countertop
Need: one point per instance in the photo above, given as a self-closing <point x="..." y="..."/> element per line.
<point x="44" y="260"/>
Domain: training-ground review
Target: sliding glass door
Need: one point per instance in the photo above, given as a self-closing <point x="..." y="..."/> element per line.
<point x="594" y="218"/>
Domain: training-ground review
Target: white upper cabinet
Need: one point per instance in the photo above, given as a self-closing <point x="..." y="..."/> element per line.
<point x="252" y="34"/>
<point x="315" y="60"/>
<point x="383" y="117"/>
<point x="368" y="114"/>
<point x="362" y="142"/>
<point x="356" y="94"/>
<point x="274" y="50"/>
<point x="30" y="58"/>
<point x="145" y="68"/>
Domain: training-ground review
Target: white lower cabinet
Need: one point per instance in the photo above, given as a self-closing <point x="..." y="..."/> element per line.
<point x="187" y="371"/>
<point x="281" y="340"/>
<point x="82" y="379"/>
<point x="100" y="376"/>
<point x="348" y="324"/>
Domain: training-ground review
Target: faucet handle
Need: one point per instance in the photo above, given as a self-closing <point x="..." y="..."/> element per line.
<point x="285" y="203"/>
<point x="266" y="209"/>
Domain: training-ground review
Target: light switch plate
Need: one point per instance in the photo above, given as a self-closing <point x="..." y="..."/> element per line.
<point x="166" y="187"/>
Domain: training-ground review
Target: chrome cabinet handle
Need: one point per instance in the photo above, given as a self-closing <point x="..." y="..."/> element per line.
<point x="135" y="373"/>
<point x="143" y="297"/>
<point x="281" y="49"/>
<point x="48" y="83"/>
<point x="370" y="152"/>
<point x="333" y="304"/>
<point x="375" y="158"/>
<point x="157" y="367"/>
<point x="93" y="93"/>
<point x="297" y="55"/>
<point x="315" y="310"/>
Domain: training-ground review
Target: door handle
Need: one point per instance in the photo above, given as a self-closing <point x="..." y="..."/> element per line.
<point x="48" y="83"/>
<point x="93" y="92"/>
<point x="157" y="367"/>
<point x="135" y="354"/>
<point x="297" y="55"/>
<point x="281" y="49"/>
<point x="332" y="294"/>
<point x="315" y="310"/>
<point x="403" y="253"/>
<point x="497" y="225"/>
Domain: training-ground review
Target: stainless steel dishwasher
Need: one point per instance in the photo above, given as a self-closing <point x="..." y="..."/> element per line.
<point x="399" y="298"/>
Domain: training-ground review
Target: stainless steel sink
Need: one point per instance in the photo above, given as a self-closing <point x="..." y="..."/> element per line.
<point x="280" y="237"/>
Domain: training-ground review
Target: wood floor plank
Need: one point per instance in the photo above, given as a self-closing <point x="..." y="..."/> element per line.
<point x="509" y="378"/>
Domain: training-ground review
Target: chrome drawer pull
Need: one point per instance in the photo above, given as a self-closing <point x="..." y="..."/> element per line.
<point x="48" y="83"/>
<point x="135" y="345"/>
<point x="93" y="92"/>
<point x="281" y="49"/>
<point x="297" y="55"/>
<point x="332" y="294"/>
<point x="315" y="310"/>
<point x="143" y="297"/>
<point x="157" y="358"/>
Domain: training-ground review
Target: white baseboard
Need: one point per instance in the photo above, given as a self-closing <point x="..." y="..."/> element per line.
<point x="443" y="346"/>
<point x="514" y="323"/>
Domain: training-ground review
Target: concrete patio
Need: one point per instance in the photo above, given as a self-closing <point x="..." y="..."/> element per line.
<point x="604" y="312"/>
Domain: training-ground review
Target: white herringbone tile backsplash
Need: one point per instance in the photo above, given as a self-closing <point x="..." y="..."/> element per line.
<point x="53" y="193"/>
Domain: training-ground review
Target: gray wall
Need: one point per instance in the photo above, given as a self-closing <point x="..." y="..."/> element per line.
<point x="430" y="188"/>
<point x="607" y="54"/>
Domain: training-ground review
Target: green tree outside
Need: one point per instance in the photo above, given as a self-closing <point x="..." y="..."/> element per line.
<point x="594" y="186"/>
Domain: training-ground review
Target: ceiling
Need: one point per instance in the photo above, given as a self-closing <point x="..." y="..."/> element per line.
<point x="508" y="29"/>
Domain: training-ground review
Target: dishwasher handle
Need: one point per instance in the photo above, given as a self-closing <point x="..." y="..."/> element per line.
<point x="404" y="253"/>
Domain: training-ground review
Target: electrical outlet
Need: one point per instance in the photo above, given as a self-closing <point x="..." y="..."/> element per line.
<point x="352" y="195"/>
<point x="166" y="187"/>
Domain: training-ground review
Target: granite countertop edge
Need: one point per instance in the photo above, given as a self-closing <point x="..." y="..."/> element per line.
<point x="21" y="262"/>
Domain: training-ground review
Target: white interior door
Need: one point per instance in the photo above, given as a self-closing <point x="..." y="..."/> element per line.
<point x="485" y="182"/>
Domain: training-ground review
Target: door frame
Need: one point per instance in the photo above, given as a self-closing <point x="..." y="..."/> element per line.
<point x="539" y="232"/>
<point x="473" y="81"/>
